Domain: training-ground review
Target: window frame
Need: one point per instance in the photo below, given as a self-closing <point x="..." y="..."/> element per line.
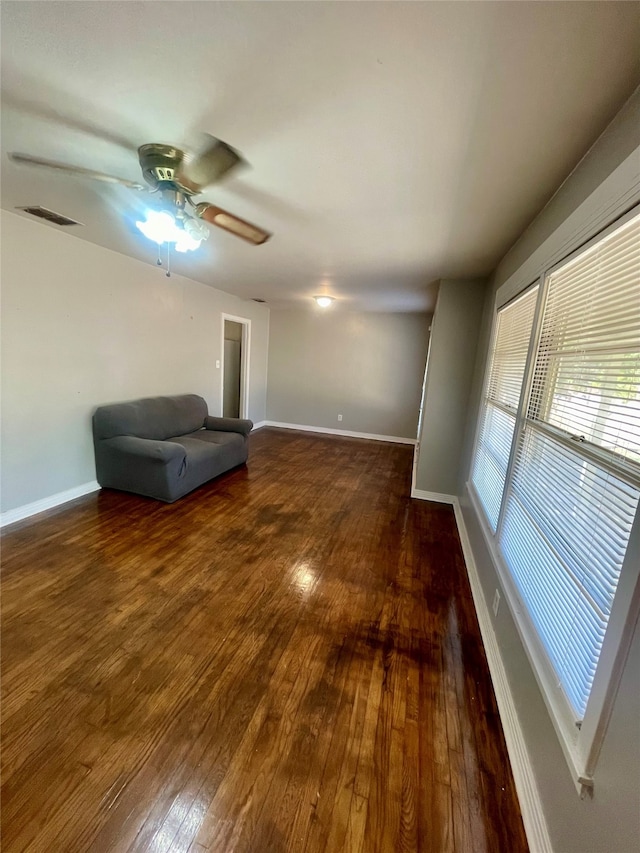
<point x="580" y="743"/>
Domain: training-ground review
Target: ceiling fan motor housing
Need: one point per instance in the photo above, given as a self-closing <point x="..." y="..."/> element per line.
<point x="159" y="163"/>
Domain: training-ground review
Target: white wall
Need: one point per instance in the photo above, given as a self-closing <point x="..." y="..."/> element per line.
<point x="366" y="366"/>
<point x="606" y="182"/>
<point x="452" y="352"/>
<point x="83" y="326"/>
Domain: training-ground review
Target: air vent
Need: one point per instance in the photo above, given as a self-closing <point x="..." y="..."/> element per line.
<point x="49" y="215"/>
<point x="258" y="300"/>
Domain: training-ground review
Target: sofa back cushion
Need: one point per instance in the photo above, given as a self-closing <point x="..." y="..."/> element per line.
<point x="154" y="417"/>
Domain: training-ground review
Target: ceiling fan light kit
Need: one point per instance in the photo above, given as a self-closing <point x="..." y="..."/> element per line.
<point x="161" y="227"/>
<point x="176" y="176"/>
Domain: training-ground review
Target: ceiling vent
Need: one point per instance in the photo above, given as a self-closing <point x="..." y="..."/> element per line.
<point x="258" y="300"/>
<point x="49" y="215"/>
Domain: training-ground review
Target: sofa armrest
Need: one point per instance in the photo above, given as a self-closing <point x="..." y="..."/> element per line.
<point x="241" y="425"/>
<point x="146" y="448"/>
<point x="144" y="466"/>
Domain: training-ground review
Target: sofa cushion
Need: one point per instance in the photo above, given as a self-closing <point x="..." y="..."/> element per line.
<point x="197" y="452"/>
<point x="210" y="437"/>
<point x="153" y="417"/>
<point x="206" y="459"/>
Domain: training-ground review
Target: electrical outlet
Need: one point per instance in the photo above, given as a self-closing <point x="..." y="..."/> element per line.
<point x="496" y="603"/>
<point x="218" y="364"/>
<point x="339" y="417"/>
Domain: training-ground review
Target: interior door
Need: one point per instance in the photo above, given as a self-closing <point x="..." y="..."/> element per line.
<point x="232" y="368"/>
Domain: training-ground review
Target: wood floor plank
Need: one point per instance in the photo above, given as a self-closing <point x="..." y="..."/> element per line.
<point x="287" y="659"/>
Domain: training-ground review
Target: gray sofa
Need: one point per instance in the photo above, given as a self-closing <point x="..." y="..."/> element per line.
<point x="164" y="447"/>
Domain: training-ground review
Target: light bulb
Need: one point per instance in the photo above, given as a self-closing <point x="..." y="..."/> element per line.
<point x="323" y="301"/>
<point x="196" y="229"/>
<point x="186" y="243"/>
<point x="159" y="227"/>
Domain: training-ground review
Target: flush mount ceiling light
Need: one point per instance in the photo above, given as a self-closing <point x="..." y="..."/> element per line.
<point x="324" y="301"/>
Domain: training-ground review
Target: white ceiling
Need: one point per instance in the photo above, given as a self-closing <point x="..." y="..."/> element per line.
<point x="391" y="143"/>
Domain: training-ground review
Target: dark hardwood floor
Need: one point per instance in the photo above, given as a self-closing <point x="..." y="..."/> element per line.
<point x="287" y="659"/>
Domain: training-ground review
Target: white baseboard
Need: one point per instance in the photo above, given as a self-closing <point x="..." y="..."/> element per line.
<point x="438" y="497"/>
<point x="259" y="425"/>
<point x="533" y="818"/>
<point x="395" y="439"/>
<point x="27" y="510"/>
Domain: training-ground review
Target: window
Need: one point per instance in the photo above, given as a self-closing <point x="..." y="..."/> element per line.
<point x="500" y="405"/>
<point x="557" y="461"/>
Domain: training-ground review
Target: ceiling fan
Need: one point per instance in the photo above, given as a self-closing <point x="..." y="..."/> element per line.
<point x="178" y="176"/>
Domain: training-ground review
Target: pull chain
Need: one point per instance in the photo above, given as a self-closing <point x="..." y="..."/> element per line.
<point x="168" y="272"/>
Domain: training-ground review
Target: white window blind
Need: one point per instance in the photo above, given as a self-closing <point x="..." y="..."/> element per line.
<point x="588" y="369"/>
<point x="574" y="486"/>
<point x="500" y="405"/>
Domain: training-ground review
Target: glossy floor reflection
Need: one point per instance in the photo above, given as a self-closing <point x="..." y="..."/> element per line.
<point x="286" y="660"/>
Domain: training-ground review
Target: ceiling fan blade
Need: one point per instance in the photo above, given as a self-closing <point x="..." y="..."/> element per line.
<point x="27" y="160"/>
<point x="214" y="160"/>
<point x="240" y="227"/>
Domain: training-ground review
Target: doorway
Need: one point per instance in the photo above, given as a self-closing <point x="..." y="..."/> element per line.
<point x="235" y="366"/>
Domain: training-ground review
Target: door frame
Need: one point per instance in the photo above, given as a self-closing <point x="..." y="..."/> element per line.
<point x="425" y="379"/>
<point x="245" y="351"/>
